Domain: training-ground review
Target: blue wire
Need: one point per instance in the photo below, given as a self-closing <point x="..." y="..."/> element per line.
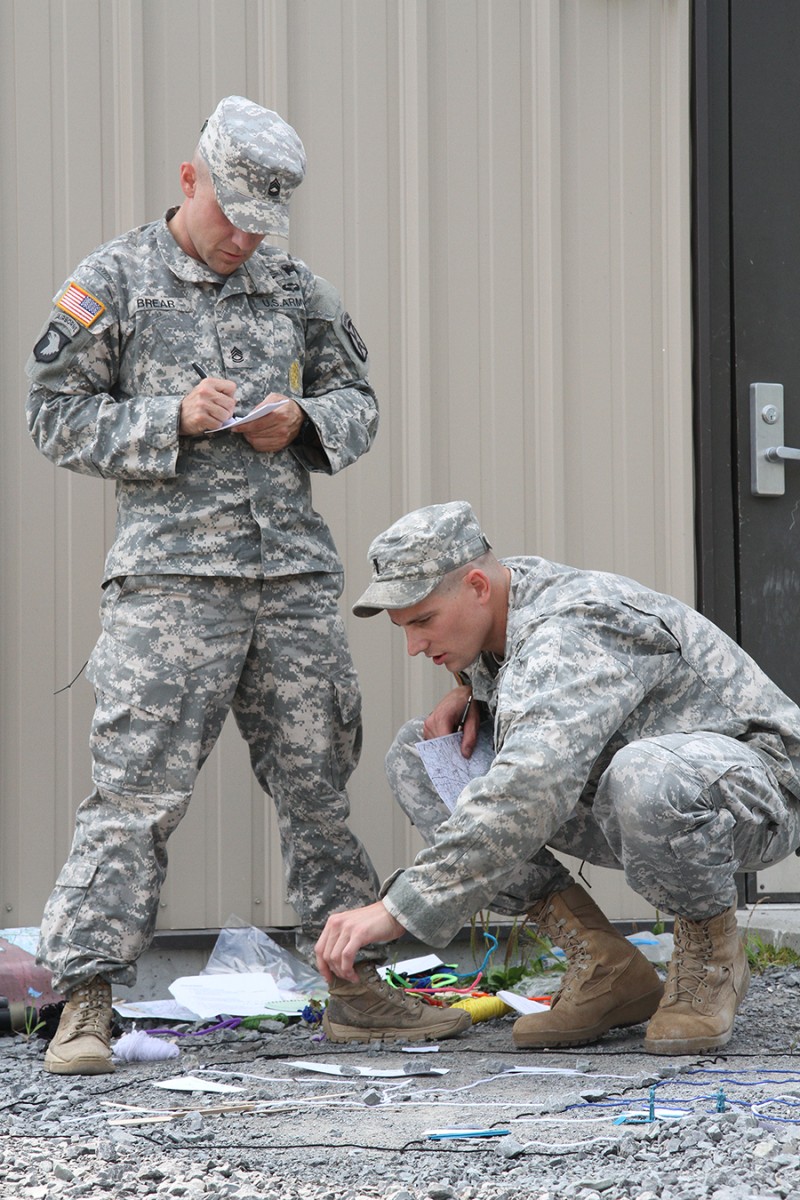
<point x="718" y="1098"/>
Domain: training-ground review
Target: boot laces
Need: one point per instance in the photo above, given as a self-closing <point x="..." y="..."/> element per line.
<point x="576" y="950"/>
<point x="693" y="949"/>
<point x="399" y="996"/>
<point x="90" y="1014"/>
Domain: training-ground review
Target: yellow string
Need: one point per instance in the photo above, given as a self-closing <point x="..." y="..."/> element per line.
<point x="483" y="1008"/>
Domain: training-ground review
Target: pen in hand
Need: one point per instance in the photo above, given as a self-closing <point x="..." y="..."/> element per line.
<point x="464" y="714"/>
<point x="196" y="367"/>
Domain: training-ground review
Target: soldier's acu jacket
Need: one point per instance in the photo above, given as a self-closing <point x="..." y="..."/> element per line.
<point x="222" y="582"/>
<point x="600" y="670"/>
<point x="114" y="361"/>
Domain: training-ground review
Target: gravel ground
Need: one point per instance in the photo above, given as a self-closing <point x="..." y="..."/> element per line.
<point x="302" y="1135"/>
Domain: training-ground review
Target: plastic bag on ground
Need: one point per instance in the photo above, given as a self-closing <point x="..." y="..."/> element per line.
<point x="242" y="948"/>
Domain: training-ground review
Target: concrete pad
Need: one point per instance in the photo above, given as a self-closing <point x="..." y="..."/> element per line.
<point x="776" y="924"/>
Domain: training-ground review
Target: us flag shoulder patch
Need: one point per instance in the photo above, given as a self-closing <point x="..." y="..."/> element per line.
<point x="80" y="304"/>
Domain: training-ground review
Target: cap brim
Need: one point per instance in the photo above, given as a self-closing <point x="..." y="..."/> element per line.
<point x="393" y="593"/>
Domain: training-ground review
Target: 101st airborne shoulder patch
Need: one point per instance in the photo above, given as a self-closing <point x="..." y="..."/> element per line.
<point x="80" y="304"/>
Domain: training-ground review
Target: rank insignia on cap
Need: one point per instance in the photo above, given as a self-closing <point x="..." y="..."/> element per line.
<point x="80" y="304"/>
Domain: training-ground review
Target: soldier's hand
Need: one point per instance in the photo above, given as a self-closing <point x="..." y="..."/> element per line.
<point x="345" y="933"/>
<point x="446" y="717"/>
<point x="276" y="429"/>
<point x="205" y="407"/>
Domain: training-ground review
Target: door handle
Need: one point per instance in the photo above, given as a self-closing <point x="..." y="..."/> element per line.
<point x="781" y="454"/>
<point x="767" y="452"/>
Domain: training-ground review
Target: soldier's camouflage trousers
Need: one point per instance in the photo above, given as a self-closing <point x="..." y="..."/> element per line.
<point x="680" y="814"/>
<point x="175" y="654"/>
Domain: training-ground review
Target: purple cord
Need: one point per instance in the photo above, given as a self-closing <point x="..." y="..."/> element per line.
<point x="228" y="1023"/>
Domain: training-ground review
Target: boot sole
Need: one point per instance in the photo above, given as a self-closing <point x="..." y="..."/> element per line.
<point x="689" y="1045"/>
<point x="350" y="1033"/>
<point x="80" y="1066"/>
<point x="633" y="1013"/>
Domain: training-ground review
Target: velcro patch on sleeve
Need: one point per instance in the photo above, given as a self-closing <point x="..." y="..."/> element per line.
<point x="80" y="304"/>
<point x="356" y="340"/>
<point x="50" y="344"/>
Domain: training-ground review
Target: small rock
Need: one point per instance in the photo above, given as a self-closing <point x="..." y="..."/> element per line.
<point x="509" y="1147"/>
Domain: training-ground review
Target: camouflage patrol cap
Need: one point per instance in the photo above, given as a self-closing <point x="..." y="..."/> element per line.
<point x="413" y="556"/>
<point x="256" y="161"/>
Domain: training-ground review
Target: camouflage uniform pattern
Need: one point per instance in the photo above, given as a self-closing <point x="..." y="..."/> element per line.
<point x="105" y="401"/>
<point x="256" y="161"/>
<point x="630" y="732"/>
<point x="412" y="556"/>
<point x="221" y="583"/>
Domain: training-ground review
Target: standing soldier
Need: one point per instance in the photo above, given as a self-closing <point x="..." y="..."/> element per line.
<point x="221" y="587"/>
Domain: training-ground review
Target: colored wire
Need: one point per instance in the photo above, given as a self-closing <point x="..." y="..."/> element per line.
<point x="427" y="984"/>
<point x="228" y="1023"/>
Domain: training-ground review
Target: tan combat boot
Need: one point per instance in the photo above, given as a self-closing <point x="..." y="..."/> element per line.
<point x="82" y="1045"/>
<point x="707" y="980"/>
<point x="373" y="1011"/>
<point x="608" y="982"/>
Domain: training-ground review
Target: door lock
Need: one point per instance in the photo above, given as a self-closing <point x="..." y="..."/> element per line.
<point x="767" y="452"/>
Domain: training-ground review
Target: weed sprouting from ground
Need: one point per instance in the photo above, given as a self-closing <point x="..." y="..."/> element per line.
<point x="761" y="954"/>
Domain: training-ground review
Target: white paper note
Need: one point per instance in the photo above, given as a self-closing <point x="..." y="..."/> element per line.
<point x="449" y="771"/>
<point x="260" y="410"/>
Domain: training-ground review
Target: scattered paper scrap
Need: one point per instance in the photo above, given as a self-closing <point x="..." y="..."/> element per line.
<point x="424" y="965"/>
<point x="521" y="1003"/>
<point x="243" y="995"/>
<point x="515" y="1070"/>
<point x="161" y="1010"/>
<point x="193" y="1083"/>
<point x="368" y="1072"/>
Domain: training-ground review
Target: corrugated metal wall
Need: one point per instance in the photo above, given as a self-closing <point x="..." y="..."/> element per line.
<point x="500" y="189"/>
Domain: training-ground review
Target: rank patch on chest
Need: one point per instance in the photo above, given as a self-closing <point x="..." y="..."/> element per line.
<point x="80" y="304"/>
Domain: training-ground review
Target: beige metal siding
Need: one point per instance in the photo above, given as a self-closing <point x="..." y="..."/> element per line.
<point x="500" y="189"/>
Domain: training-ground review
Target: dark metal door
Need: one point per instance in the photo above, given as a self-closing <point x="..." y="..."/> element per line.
<point x="747" y="326"/>
<point x="765" y="196"/>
